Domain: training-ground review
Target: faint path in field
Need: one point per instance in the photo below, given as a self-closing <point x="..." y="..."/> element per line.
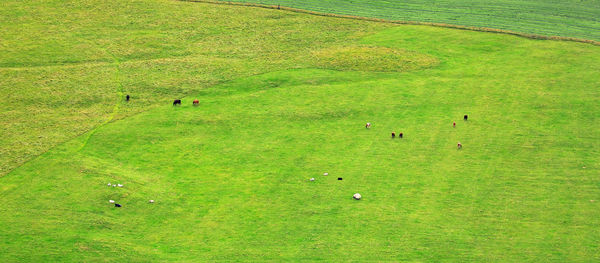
<point x="50" y="66"/>
<point x="94" y="63"/>
<point x="120" y="89"/>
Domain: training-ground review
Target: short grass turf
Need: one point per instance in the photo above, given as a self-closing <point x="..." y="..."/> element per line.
<point x="568" y="18"/>
<point x="231" y="177"/>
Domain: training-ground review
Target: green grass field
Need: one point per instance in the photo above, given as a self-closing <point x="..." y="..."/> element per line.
<point x="570" y="18"/>
<point x="284" y="97"/>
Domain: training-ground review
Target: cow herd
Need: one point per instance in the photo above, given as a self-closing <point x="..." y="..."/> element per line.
<point x="368" y="126"/>
<point x="401" y="135"/>
<point x="178" y="102"/>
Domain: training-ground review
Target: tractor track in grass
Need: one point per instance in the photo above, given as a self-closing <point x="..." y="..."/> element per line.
<point x="120" y="89"/>
<point x="95" y="63"/>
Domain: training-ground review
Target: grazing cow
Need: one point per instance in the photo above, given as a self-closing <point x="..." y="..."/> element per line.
<point x="339" y="178"/>
<point x="454" y="124"/>
<point x="400" y="135"/>
<point x="393" y="135"/>
<point x="466" y="117"/>
<point x="127" y="97"/>
<point x="459" y="145"/>
<point x="196" y="102"/>
<point x="117" y="205"/>
<point x="368" y="125"/>
<point x="176" y="102"/>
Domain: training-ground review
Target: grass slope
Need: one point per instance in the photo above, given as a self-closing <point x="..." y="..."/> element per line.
<point x="571" y="18"/>
<point x="230" y="178"/>
<point x="65" y="65"/>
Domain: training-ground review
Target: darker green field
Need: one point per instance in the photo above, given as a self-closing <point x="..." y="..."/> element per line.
<point x="572" y="18"/>
<point x="284" y="97"/>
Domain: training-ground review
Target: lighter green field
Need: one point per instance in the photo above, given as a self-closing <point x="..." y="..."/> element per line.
<point x="284" y="97"/>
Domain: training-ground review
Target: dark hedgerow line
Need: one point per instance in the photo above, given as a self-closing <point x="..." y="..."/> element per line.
<point x="472" y="28"/>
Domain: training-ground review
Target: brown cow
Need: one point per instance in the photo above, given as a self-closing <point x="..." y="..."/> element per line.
<point x="196" y="102"/>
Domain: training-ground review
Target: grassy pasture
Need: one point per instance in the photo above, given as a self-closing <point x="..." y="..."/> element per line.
<point x="571" y="18"/>
<point x="284" y="98"/>
<point x="66" y="65"/>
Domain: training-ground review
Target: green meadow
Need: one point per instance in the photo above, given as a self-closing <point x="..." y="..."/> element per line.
<point x="284" y="97"/>
<point x="567" y="18"/>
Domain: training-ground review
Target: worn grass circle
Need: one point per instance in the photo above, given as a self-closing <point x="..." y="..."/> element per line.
<point x="378" y="59"/>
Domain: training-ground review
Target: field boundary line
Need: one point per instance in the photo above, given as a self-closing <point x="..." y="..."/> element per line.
<point x="400" y="22"/>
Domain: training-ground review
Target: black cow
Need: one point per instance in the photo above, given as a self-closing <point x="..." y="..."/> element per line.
<point x="127" y="97"/>
<point x="466" y="117"/>
<point x="393" y="135"/>
<point x="117" y="205"/>
<point x="400" y="135"/>
<point x="176" y="102"/>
